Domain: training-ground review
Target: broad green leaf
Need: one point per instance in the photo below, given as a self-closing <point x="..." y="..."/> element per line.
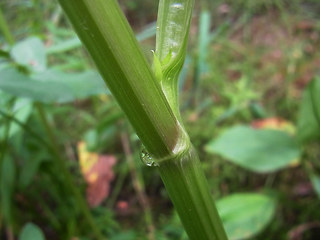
<point x="82" y="85"/>
<point x="244" y="215"/>
<point x="309" y="115"/>
<point x="173" y="26"/>
<point x="315" y="180"/>
<point x="7" y="183"/>
<point x="52" y="86"/>
<point x="31" y="231"/>
<point x="30" y="53"/>
<point x="259" y="150"/>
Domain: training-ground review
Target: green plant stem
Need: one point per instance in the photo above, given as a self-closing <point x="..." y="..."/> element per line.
<point x="5" y="29"/>
<point x="121" y="176"/>
<point x="67" y="175"/>
<point x="315" y="103"/>
<point x="47" y="127"/>
<point x="189" y="192"/>
<point x="107" y="35"/>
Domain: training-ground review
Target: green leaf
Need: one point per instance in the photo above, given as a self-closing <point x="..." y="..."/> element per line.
<point x="7" y="184"/>
<point x="82" y="85"/>
<point x="309" y="114"/>
<point x="30" y="53"/>
<point x="52" y="86"/>
<point x="259" y="150"/>
<point x="31" y="231"/>
<point x="245" y="214"/>
<point x="173" y="26"/>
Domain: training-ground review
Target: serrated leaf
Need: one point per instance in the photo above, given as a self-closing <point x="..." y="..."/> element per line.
<point x="31" y="231"/>
<point x="30" y="53"/>
<point x="259" y="150"/>
<point x="244" y="215"/>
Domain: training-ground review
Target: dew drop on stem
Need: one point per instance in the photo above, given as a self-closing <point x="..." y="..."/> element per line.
<point x="147" y="158"/>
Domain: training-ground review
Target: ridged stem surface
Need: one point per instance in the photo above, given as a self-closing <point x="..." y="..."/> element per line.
<point x="188" y="189"/>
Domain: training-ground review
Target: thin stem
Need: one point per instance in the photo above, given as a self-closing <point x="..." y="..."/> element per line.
<point x="68" y="177"/>
<point x="121" y="176"/>
<point x="62" y="166"/>
<point x="5" y="29"/>
<point x="189" y="192"/>
<point x="49" y="213"/>
<point x="138" y="186"/>
<point x="47" y="127"/>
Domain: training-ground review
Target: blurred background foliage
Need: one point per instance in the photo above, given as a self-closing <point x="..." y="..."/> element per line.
<point x="249" y="96"/>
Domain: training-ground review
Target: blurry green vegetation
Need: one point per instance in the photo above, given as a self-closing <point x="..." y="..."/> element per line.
<point x="250" y="63"/>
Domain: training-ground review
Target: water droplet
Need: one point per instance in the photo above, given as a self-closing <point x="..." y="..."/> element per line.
<point x="147" y="159"/>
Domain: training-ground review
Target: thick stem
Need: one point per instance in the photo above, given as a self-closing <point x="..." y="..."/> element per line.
<point x="106" y="34"/>
<point x="189" y="192"/>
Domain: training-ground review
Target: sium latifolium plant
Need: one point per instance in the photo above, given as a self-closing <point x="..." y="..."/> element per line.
<point x="149" y="99"/>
